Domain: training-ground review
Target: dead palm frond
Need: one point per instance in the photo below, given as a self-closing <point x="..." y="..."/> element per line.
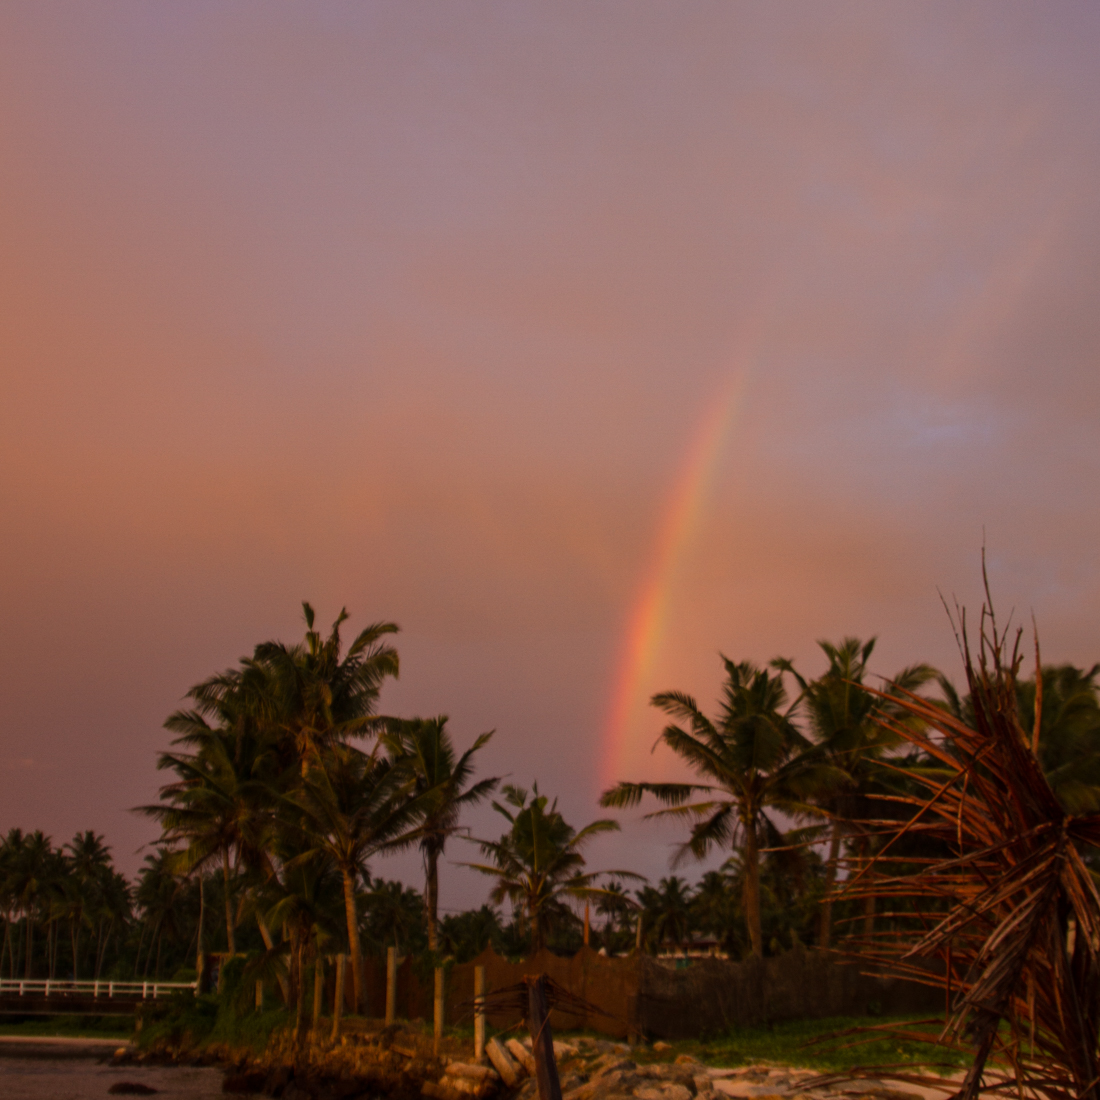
<point x="1001" y="898"/>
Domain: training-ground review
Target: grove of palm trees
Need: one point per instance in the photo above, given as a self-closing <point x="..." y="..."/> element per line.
<point x="286" y="786"/>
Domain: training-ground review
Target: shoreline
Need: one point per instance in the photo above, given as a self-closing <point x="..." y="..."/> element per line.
<point x="60" y="1046"/>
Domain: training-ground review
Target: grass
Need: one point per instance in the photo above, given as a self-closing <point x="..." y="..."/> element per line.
<point x="72" y="1027"/>
<point x="807" y="1043"/>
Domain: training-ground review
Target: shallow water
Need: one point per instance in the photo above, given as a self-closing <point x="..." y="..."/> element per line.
<point x="69" y="1075"/>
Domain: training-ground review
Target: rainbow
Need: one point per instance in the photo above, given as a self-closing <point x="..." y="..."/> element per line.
<point x="649" y="613"/>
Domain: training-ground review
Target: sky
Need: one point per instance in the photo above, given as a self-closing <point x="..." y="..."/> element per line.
<point x="585" y="343"/>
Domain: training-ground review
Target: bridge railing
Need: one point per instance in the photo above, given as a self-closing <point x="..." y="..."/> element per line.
<point x="130" y="991"/>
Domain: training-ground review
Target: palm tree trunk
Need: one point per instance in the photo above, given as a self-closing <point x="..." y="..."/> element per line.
<point x="202" y="909"/>
<point x="431" y="898"/>
<point x="75" y="930"/>
<point x="825" y="933"/>
<point x="353" y="939"/>
<point x="269" y="943"/>
<point x="229" y="937"/>
<point x="751" y="889"/>
<point x="30" y="948"/>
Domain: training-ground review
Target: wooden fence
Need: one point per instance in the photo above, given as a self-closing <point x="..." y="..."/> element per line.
<point x="641" y="996"/>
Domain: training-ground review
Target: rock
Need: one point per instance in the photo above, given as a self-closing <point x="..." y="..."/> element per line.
<point x="510" y="1071"/>
<point x="471" y="1069"/>
<point x="731" y="1086"/>
<point x="131" y="1088"/>
<point x="522" y="1055"/>
<point x="564" y="1050"/>
<point x="703" y="1083"/>
<point x="440" y="1091"/>
<point x="248" y="1082"/>
<point x="277" y="1081"/>
<point x="660" y="1047"/>
<point x="465" y="1085"/>
<point x="687" y="1060"/>
<point x="614" y="1065"/>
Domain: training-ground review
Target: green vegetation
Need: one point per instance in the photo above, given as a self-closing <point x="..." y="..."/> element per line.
<point x="284" y="784"/>
<point x="817" y="1044"/>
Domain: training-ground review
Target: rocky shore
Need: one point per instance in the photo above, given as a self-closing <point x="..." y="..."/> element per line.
<point x="398" y="1063"/>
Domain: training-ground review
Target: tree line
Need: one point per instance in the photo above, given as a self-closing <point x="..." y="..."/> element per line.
<point x="284" y="783"/>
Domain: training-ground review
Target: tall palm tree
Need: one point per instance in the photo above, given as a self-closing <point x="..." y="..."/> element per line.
<point x="209" y="809"/>
<point x="318" y="697"/>
<point x="427" y="745"/>
<point x="538" y="862"/>
<point x="29" y="881"/>
<point x="354" y="805"/>
<point x="845" y="724"/>
<point x="754" y="760"/>
<point x="88" y="859"/>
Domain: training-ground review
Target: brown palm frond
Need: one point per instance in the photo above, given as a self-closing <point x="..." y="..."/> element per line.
<point x="1006" y="918"/>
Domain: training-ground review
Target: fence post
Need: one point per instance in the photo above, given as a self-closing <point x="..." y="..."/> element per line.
<point x="259" y="996"/>
<point x="338" y="1002"/>
<point x="391" y="985"/>
<point x="318" y="990"/>
<point x="438" y="1035"/>
<point x="479" y="1013"/>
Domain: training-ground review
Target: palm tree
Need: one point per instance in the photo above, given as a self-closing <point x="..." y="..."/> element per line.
<point x="29" y="879"/>
<point x="538" y="862"/>
<point x="396" y="914"/>
<point x="210" y="808"/>
<point x="755" y="760"/>
<point x="88" y="858"/>
<point x="845" y="724"/>
<point x="354" y="805"/>
<point x="427" y="745"/>
<point x="666" y="912"/>
<point x="318" y="698"/>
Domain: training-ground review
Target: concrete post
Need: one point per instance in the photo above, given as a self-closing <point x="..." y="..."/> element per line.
<point x="391" y="985"/>
<point x="479" y="1013"/>
<point x="438" y="1015"/>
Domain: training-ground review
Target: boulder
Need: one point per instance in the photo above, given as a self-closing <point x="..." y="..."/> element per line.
<point x="522" y="1054"/>
<point x="250" y="1081"/>
<point x="511" y="1073"/>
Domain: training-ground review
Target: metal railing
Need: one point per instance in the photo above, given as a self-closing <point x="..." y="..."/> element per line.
<point x="130" y="991"/>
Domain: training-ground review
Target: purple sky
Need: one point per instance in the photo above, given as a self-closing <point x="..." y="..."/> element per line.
<point x="418" y="309"/>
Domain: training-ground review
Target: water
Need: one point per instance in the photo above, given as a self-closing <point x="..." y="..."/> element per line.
<point x="62" y="1072"/>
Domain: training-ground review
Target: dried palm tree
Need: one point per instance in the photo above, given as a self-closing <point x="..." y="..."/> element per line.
<point x="1009" y="908"/>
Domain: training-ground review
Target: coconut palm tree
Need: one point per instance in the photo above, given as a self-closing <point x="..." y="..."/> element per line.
<point x="846" y="726"/>
<point x="317" y="697"/>
<point x="754" y="760"/>
<point x="88" y="859"/>
<point x="538" y="862"/>
<point x="666" y="912"/>
<point x="427" y="745"/>
<point x="354" y="805"/>
<point x="210" y="809"/>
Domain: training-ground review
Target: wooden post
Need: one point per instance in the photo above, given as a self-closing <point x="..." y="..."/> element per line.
<point x="542" y="1040"/>
<point x="259" y="996"/>
<point x="437" y="1039"/>
<point x="586" y="923"/>
<point x="391" y="985"/>
<point x="638" y="943"/>
<point x="318" y="991"/>
<point x="479" y="1013"/>
<point x="338" y="1001"/>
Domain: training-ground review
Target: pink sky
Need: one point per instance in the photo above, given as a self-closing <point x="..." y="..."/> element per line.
<point x="421" y="309"/>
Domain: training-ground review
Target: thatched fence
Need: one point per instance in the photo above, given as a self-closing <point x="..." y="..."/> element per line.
<point x="642" y="996"/>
